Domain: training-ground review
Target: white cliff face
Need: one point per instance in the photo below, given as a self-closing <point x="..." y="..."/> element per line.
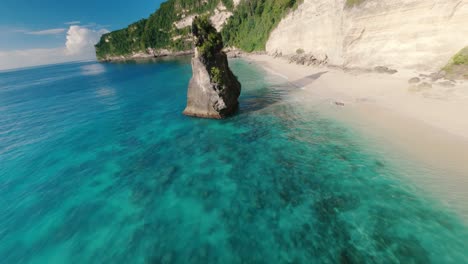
<point x="416" y="34"/>
<point x="184" y="22"/>
<point x="220" y="16"/>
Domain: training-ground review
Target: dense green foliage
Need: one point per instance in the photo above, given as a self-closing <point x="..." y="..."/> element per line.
<point x="208" y="40"/>
<point x="250" y="26"/>
<point x="461" y="58"/>
<point x="158" y="31"/>
<point x="209" y="43"/>
<point x="216" y="75"/>
<point x="228" y="4"/>
<point x="122" y="41"/>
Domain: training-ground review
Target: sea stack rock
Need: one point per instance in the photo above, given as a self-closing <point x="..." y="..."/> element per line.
<point x="214" y="90"/>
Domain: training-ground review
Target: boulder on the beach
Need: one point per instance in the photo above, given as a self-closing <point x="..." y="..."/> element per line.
<point x="424" y="86"/>
<point x="435" y="76"/>
<point x="214" y="90"/>
<point x="414" y="80"/>
<point x="384" y="69"/>
<point x="446" y="83"/>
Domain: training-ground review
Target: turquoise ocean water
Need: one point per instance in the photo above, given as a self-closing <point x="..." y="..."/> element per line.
<point x="98" y="165"/>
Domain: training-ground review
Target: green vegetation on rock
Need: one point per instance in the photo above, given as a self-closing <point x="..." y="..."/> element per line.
<point x="351" y="3"/>
<point x="216" y="75"/>
<point x="208" y="41"/>
<point x="252" y="22"/>
<point x="156" y="32"/>
<point x="248" y="29"/>
<point x="457" y="67"/>
<point x="122" y="41"/>
<point x="461" y="58"/>
<point x="228" y="4"/>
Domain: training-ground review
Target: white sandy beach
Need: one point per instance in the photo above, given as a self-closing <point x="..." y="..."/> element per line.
<point x="425" y="125"/>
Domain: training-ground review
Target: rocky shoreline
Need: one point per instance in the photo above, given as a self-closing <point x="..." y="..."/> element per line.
<point x="307" y="59"/>
<point x="146" y="55"/>
<point x="231" y="53"/>
<point x="304" y="59"/>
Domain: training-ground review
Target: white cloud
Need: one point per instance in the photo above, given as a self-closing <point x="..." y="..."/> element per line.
<point x="52" y="31"/>
<point x="72" y="23"/>
<point x="79" y="46"/>
<point x="82" y="40"/>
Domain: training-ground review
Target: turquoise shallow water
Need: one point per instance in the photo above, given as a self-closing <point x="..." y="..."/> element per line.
<point x="97" y="165"/>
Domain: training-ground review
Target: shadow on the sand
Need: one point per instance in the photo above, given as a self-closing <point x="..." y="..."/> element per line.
<point x="274" y="93"/>
<point x="263" y="99"/>
<point x="308" y="79"/>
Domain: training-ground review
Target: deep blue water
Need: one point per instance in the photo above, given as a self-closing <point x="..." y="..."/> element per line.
<point x="98" y="165"/>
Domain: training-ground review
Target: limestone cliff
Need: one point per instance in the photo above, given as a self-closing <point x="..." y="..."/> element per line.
<point x="213" y="91"/>
<point x="416" y="34"/>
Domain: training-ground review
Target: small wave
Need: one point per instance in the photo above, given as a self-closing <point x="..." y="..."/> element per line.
<point x="20" y="84"/>
<point x="93" y="69"/>
<point x="273" y="72"/>
<point x="108" y="97"/>
<point x="105" y="92"/>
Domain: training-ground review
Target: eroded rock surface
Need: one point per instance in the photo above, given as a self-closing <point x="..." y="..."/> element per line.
<point x="399" y="34"/>
<point x="214" y="90"/>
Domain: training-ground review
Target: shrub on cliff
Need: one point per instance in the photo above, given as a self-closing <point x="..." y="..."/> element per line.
<point x="208" y="40"/>
<point x="458" y="65"/>
<point x="216" y="75"/>
<point x="461" y="58"/>
<point x="252" y="22"/>
<point x="209" y="43"/>
<point x="351" y="3"/>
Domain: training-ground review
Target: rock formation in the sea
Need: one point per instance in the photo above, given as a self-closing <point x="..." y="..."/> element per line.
<point x="213" y="90"/>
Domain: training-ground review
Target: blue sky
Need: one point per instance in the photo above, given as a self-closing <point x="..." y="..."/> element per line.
<point x="31" y="26"/>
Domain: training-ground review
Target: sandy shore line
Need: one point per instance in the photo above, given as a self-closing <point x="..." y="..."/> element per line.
<point x="428" y="125"/>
